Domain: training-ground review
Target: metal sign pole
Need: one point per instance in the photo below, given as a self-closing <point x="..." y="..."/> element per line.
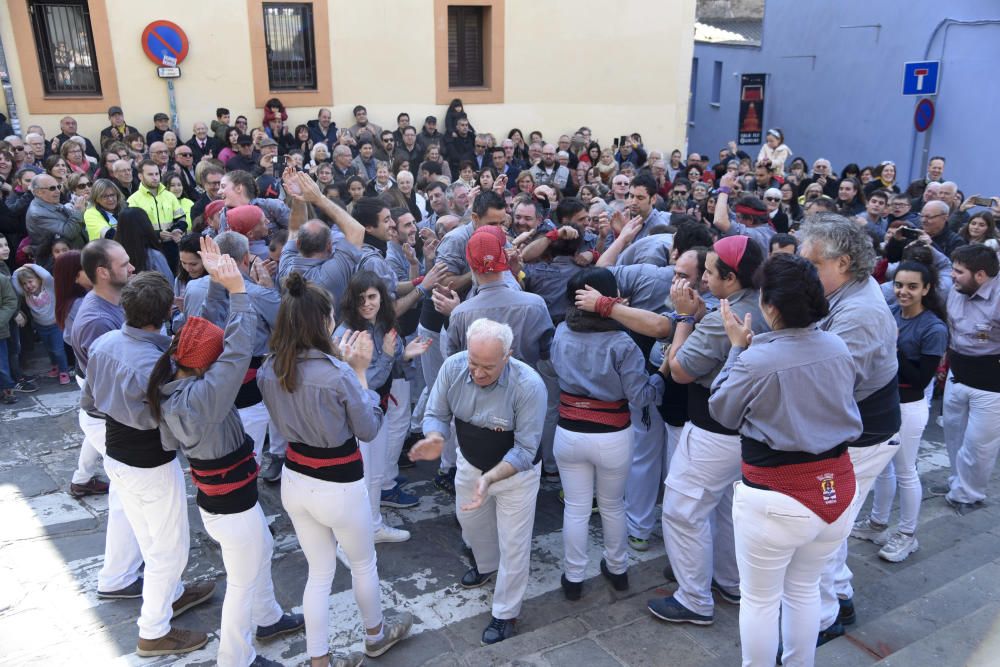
<point x="172" y="100"/>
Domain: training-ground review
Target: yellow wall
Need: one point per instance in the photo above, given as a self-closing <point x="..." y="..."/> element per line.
<point x="617" y="67"/>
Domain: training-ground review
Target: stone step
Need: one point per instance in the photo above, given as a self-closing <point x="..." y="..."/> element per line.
<point x="969" y="641"/>
<point x="899" y="629"/>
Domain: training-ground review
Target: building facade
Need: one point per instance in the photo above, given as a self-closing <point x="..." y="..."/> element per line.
<point x="834" y="84"/>
<point x="549" y="65"/>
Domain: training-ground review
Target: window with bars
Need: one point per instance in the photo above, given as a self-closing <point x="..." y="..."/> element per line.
<point x="65" y="44"/>
<point x="466" y="25"/>
<point x="291" y="45"/>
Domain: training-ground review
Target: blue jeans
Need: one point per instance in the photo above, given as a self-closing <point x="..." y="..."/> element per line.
<point x="52" y="339"/>
<point x="6" y="381"/>
<point x="13" y="354"/>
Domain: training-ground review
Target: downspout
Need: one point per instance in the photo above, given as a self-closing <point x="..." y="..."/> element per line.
<point x="945" y="24"/>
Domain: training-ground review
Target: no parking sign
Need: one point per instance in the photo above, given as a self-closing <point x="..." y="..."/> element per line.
<point x="165" y="43"/>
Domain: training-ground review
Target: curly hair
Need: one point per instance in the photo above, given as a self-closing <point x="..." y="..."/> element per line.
<point x="837" y="236"/>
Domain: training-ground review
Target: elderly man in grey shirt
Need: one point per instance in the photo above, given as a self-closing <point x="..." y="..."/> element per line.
<point x="498" y="407"/>
<point x="844" y="258"/>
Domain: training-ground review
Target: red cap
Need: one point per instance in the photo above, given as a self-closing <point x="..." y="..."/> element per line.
<point x="200" y="343"/>
<point x="213" y="208"/>
<point x="485" y="250"/>
<point x="243" y="218"/>
<point x="730" y="250"/>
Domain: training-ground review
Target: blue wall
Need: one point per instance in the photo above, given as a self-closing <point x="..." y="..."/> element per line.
<point x="836" y="92"/>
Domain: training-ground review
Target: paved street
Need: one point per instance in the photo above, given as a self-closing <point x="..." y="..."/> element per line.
<point x="52" y="546"/>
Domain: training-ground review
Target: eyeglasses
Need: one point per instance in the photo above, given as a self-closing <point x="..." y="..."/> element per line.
<point x="931" y="217"/>
<point x="772" y="198"/>
<point x="109" y="195"/>
<point x="81" y="186"/>
<point x="158" y="152"/>
<point x="50" y="188"/>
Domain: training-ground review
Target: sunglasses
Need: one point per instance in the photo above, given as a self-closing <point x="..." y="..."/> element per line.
<point x="81" y="186"/>
<point x="50" y="188"/>
<point x="772" y="198"/>
<point x="183" y="154"/>
<point x="19" y="149"/>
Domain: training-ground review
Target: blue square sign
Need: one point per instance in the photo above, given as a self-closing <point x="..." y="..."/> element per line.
<point x="921" y="78"/>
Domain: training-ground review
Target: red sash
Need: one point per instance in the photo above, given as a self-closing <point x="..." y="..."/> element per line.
<point x="826" y="487"/>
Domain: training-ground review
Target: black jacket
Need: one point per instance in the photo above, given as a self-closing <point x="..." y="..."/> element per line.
<point x="458" y="148"/>
<point x="211" y="147"/>
<point x="317" y="134"/>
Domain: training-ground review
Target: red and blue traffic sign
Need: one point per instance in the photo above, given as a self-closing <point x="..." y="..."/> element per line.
<point x="923" y="115"/>
<point x="164" y="39"/>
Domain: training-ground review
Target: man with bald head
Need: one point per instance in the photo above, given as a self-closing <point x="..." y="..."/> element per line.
<point x="201" y="143"/>
<point x="549" y="171"/>
<point x="67" y="127"/>
<point x="160" y="154"/>
<point x="934" y="219"/>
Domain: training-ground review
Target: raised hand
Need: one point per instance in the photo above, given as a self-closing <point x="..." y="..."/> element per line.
<point x="210" y="253"/>
<point x="389" y="342"/>
<point x="416" y="347"/>
<point x="428" y="449"/>
<point x="356" y="349"/>
<point x="445" y="300"/>
<point x="227" y="273"/>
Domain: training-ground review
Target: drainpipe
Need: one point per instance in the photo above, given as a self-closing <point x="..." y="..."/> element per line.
<point x="8" y="92"/>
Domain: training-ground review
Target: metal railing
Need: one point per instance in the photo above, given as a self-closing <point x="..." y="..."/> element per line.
<point x="65" y="45"/>
<point x="291" y="45"/>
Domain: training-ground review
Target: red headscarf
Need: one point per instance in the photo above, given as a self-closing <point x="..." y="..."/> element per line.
<point x="244" y="218"/>
<point x="200" y="343"/>
<point x="485" y="250"/>
<point x="730" y="250"/>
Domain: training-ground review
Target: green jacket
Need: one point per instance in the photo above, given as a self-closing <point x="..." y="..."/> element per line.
<point x="8" y="303"/>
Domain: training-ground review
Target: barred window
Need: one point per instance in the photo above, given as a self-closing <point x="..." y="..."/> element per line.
<point x="65" y="44"/>
<point x="291" y="45"/>
<point x="465" y="46"/>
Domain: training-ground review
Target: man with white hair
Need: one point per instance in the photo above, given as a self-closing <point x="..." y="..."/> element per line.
<point x="18" y="150"/>
<point x="822" y="174"/>
<point x="934" y="220"/>
<point x="35" y="149"/>
<point x="498" y="407"/>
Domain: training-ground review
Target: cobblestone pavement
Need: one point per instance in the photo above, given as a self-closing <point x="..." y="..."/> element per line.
<point x="51" y="550"/>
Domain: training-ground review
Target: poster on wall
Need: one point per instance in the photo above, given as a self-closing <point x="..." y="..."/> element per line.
<point x="750" y="131"/>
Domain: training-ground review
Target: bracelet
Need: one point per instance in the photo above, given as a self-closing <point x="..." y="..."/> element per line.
<point x="725" y="189"/>
<point x="682" y="317"/>
<point x="605" y="304"/>
<point x="553" y="235"/>
<point x="424" y="293"/>
<point x="417" y="281"/>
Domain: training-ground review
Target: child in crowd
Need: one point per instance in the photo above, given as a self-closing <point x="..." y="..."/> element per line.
<point x="8" y="307"/>
<point x="38" y="288"/>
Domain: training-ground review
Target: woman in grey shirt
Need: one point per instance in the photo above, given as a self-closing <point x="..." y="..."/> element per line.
<point x="791" y="396"/>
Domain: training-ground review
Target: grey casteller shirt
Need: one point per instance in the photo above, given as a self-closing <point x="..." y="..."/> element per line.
<point x="515" y="402"/>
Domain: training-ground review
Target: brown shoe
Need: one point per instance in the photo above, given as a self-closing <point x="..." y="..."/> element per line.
<point x="193" y="595"/>
<point x="95" y="486"/>
<point x="175" y="641"/>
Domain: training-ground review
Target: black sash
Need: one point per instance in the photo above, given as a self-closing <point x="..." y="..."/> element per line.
<point x="135" y="447"/>
<point x="249" y="393"/>
<point x="240" y="472"/>
<point x="880" y="417"/>
<point x="485" y="448"/>
<point x="697" y="405"/>
<point x="980" y="372"/>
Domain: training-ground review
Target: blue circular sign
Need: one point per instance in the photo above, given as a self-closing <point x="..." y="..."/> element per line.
<point x="164" y="38"/>
<point x="923" y="116"/>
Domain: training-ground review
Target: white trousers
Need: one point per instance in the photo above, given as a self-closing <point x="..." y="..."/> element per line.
<point x="499" y="530"/>
<point x="582" y="458"/>
<point x="835" y="583"/>
<point x="646" y="472"/>
<point x="781" y="547"/>
<point x="122" y="557"/>
<point x="323" y="515"/>
<point x="255" y="420"/>
<point x="972" y="435"/>
<point x="430" y="365"/>
<point x="246" y="546"/>
<point x="902" y="470"/>
<point x="397" y="417"/>
<point x="373" y="456"/>
<point x="698" y="515"/>
<point x="156" y="507"/>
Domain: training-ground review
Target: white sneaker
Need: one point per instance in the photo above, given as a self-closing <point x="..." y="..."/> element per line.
<point x="872" y="532"/>
<point x="390" y="534"/>
<point x="899" y="547"/>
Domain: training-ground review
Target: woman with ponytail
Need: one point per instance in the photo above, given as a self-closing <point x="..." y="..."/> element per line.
<point x="790" y="512"/>
<point x="191" y="392"/>
<point x="922" y="341"/>
<point x="593" y="439"/>
<point x="317" y="394"/>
